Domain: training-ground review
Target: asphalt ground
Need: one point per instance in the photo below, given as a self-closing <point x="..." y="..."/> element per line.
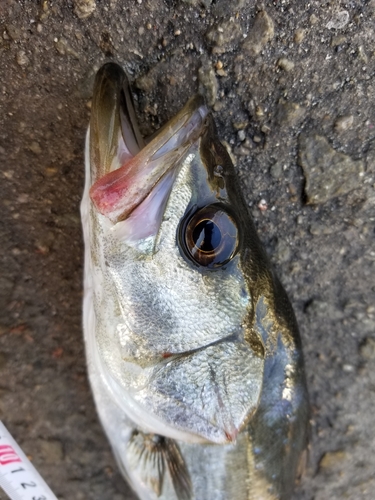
<point x="291" y="85"/>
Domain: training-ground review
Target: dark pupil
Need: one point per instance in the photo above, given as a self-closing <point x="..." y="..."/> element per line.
<point x="206" y="236"/>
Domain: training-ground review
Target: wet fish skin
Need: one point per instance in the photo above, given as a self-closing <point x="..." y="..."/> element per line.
<point x="201" y="365"/>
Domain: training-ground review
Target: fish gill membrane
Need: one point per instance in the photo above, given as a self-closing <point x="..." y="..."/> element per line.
<point x="192" y="347"/>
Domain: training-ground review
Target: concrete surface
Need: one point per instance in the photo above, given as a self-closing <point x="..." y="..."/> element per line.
<point x="292" y="88"/>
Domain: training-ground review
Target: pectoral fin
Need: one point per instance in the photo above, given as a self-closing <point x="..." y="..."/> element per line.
<point x="177" y="470"/>
<point x="150" y="456"/>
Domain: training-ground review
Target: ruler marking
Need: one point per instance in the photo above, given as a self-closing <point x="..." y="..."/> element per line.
<point x="28" y="485"/>
<point x="18" y="477"/>
<point x="17" y="470"/>
<point x="8" y="455"/>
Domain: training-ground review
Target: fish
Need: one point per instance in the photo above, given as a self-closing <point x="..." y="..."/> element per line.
<point x="193" y="350"/>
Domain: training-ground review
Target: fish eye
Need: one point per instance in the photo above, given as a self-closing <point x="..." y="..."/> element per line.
<point x="210" y="236"/>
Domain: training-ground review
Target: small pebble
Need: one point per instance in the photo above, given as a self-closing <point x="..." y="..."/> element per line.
<point x="332" y="459"/>
<point x="63" y="48"/>
<point x="14" y="32"/>
<point x="84" y="8"/>
<point x="289" y="113"/>
<point x="240" y="124"/>
<point x="22" y="58"/>
<point x="260" y="34"/>
<point x="218" y="106"/>
<point x="276" y="170"/>
<point x="285" y="64"/>
<point x="23" y="198"/>
<point x="338" y="40"/>
<point x="367" y="349"/>
<point x="242" y="151"/>
<point x="328" y="173"/>
<point x="177" y="33"/>
<point x="241" y="135"/>
<point x="300" y="219"/>
<point x="347" y="368"/>
<point x="299" y="35"/>
<point x="51" y="171"/>
<point x="208" y="85"/>
<point x="344" y="123"/>
<point x="224" y="36"/>
<point x="362" y="54"/>
<point x="339" y="20"/>
<point x="262" y="205"/>
<point x="60" y="46"/>
<point x="35" y="148"/>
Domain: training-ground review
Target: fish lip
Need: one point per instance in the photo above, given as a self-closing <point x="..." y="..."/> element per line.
<point x="120" y="191"/>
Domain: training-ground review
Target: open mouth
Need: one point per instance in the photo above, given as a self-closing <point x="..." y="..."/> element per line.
<point x="134" y="180"/>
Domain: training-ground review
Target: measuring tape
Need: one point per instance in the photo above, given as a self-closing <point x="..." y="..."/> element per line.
<point x="18" y="477"/>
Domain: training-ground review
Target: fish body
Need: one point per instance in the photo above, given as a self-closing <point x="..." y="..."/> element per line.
<point x="192" y="346"/>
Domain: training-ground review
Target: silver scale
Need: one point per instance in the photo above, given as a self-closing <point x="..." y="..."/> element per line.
<point x="18" y="477"/>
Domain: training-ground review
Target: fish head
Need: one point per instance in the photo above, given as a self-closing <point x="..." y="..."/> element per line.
<point x="174" y="259"/>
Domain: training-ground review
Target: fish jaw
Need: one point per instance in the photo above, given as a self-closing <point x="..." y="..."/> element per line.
<point x="114" y="133"/>
<point x="123" y="189"/>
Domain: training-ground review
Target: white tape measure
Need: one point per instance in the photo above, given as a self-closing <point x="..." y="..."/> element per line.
<point x="18" y="477"/>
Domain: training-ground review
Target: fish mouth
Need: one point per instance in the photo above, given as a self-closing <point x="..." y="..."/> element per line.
<point x="129" y="177"/>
